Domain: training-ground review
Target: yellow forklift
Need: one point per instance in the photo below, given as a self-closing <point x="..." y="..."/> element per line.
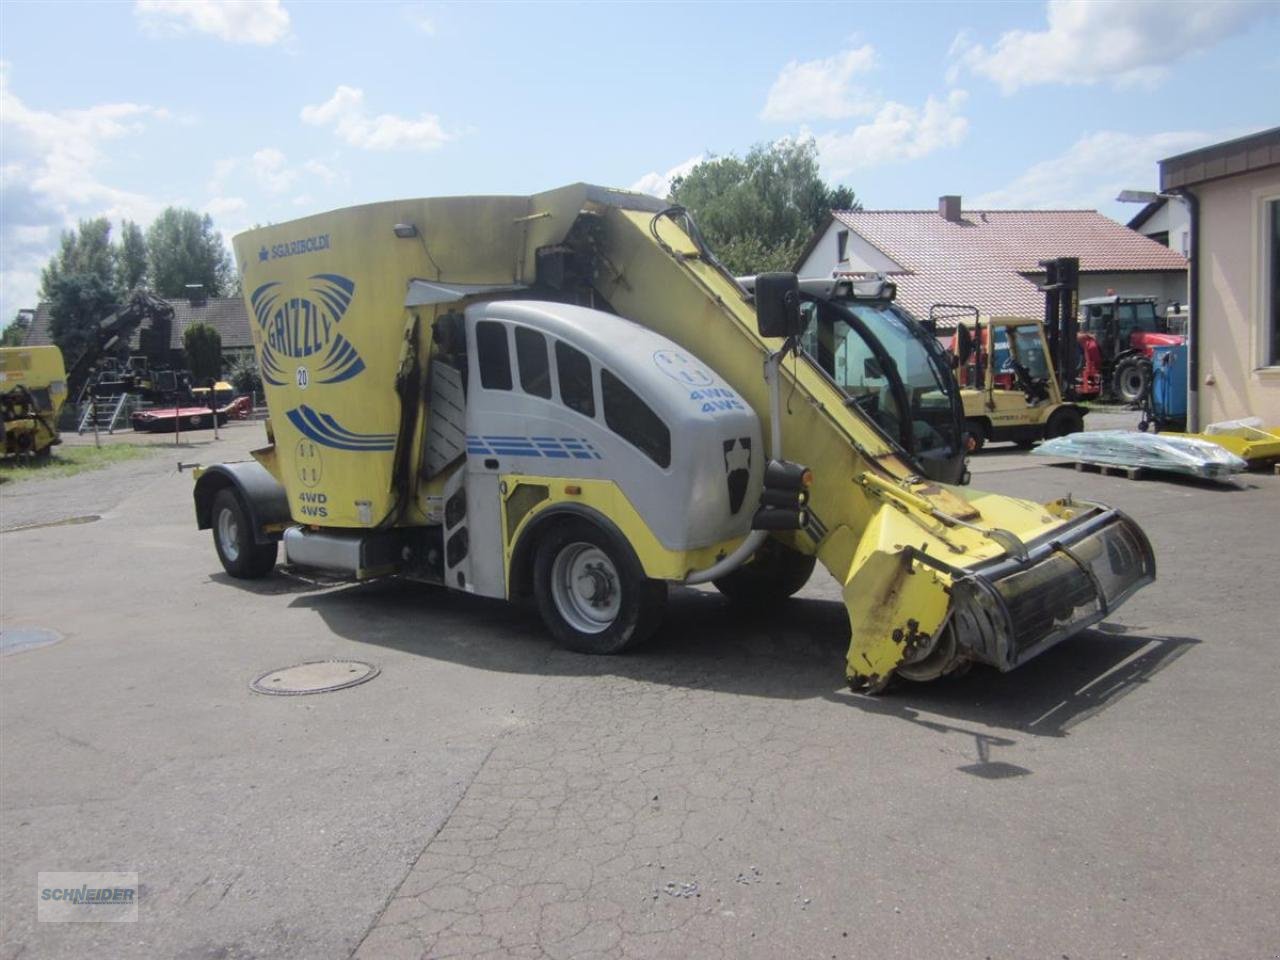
<point x="1008" y="386"/>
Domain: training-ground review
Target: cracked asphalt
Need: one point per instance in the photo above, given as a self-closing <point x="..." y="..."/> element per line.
<point x="719" y="793"/>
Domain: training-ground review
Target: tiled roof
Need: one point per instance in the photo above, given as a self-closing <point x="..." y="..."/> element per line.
<point x="227" y="315"/>
<point x="985" y="257"/>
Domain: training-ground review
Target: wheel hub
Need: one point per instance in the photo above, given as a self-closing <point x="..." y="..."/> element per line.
<point x="585" y="587"/>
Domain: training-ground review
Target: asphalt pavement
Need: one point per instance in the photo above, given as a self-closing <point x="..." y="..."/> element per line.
<point x="718" y="793"/>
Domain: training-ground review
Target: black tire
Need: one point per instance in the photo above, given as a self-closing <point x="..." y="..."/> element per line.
<point x="1064" y="422"/>
<point x="242" y="557"/>
<point x="1131" y="381"/>
<point x="629" y="605"/>
<point x="775" y="573"/>
<point x="975" y="435"/>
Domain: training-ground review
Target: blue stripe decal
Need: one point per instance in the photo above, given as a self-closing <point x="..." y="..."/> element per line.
<point x="326" y="431"/>
<point x="553" y="448"/>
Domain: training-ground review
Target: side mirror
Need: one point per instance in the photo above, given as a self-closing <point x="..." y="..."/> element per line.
<point x="964" y="343"/>
<point x="778" y="305"/>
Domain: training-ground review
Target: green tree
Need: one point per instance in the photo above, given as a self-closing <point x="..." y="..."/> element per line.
<point x="78" y="303"/>
<point x="183" y="248"/>
<point x="757" y="212"/>
<point x="16" y="332"/>
<point x="133" y="256"/>
<point x="244" y="375"/>
<point x="86" y="250"/>
<point x="203" y="346"/>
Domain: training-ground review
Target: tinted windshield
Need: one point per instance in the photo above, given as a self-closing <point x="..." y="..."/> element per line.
<point x="891" y="370"/>
<point x="1136" y="316"/>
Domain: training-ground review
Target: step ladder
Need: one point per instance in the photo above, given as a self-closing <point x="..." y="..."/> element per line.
<point x="111" y="412"/>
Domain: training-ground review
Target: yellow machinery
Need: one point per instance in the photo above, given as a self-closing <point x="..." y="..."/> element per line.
<point x="1009" y="388"/>
<point x="33" y="387"/>
<point x="565" y="396"/>
<point x="1255" y="445"/>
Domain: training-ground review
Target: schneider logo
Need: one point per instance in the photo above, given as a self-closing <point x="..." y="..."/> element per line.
<point x="86" y="897"/>
<point x="302" y="325"/>
<point x="294" y="247"/>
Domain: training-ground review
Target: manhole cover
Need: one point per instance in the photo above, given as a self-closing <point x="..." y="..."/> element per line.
<point x="17" y="639"/>
<point x="316" y="676"/>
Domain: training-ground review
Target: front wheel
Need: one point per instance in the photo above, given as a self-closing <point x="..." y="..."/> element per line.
<point x="592" y="592"/>
<point x="242" y="557"/>
<point x="1064" y="422"/>
<point x="975" y="435"/>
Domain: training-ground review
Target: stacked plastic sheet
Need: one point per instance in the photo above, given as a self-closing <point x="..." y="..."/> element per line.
<point x="1152" y="451"/>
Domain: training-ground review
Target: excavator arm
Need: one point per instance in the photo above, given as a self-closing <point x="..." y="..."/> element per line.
<point x="119" y="326"/>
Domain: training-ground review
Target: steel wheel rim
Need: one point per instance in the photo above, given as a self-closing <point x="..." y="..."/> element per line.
<point x="586" y="588"/>
<point x="1131" y="382"/>
<point x="229" y="535"/>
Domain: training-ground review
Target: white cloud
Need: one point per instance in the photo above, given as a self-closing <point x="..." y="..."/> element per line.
<point x="1125" y="42"/>
<point x="659" y="184"/>
<point x="272" y="171"/>
<point x="51" y="178"/>
<point x="261" y="22"/>
<point x="1094" y="169"/>
<point x="419" y="19"/>
<point x="225" y="207"/>
<point x="897" y="132"/>
<point x="345" y="112"/>
<point x="323" y="171"/>
<point x="822" y="89"/>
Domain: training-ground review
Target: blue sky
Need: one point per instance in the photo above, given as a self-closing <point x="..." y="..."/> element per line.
<point x="266" y="111"/>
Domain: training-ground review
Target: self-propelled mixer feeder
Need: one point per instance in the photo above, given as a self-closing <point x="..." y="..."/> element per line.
<point x="565" y="396"/>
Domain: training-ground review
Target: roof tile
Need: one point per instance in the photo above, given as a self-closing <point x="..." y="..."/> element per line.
<point x="989" y="258"/>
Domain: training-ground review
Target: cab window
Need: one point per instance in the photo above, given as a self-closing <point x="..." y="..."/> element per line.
<point x="531" y="356"/>
<point x="492" y="355"/>
<point x="576" y="390"/>
<point x="630" y="418"/>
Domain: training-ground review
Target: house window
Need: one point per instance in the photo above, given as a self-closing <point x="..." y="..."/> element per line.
<point x="1271" y="287"/>
<point x="630" y="418"/>
<point x="842" y="246"/>
<point x="493" y="356"/>
<point x="531" y="355"/>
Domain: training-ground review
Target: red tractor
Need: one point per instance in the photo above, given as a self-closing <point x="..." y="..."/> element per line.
<point x="1116" y="337"/>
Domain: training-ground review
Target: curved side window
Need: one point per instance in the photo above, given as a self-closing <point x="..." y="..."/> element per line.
<point x="493" y="356"/>
<point x="531" y="356"/>
<point x="630" y="418"/>
<point x="576" y="391"/>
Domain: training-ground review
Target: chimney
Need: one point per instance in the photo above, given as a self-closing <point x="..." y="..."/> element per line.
<point x="195" y="294"/>
<point x="949" y="208"/>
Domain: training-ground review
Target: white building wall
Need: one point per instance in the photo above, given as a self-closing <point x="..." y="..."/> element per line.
<point x="1173" y="219"/>
<point x="1235" y="380"/>
<point x="860" y="256"/>
<point x="1166" y="286"/>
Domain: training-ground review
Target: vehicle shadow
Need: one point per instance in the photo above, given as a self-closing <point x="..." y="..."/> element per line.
<point x="796" y="651"/>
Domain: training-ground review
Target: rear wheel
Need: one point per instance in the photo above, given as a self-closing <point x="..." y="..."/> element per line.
<point x="591" y="590"/>
<point x="1132" y="379"/>
<point x="242" y="557"/>
<point x="774" y="574"/>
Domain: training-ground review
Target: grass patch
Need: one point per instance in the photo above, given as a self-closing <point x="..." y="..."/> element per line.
<point x="67" y="461"/>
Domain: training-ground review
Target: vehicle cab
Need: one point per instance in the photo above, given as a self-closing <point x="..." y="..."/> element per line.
<point x="889" y="365"/>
